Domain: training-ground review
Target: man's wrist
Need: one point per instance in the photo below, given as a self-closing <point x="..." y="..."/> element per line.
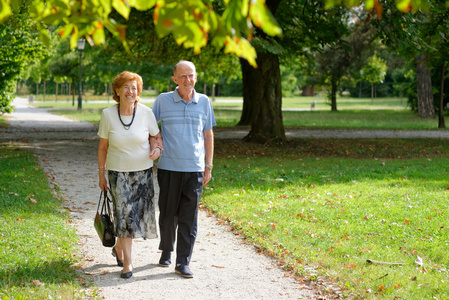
<point x="210" y="166"/>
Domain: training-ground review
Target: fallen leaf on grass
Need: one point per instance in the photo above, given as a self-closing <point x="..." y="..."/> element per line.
<point x="37" y="282"/>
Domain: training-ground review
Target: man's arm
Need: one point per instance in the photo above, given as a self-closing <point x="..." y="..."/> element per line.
<point x="209" y="148"/>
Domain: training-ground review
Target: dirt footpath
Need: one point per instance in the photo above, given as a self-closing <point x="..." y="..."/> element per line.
<point x="224" y="267"/>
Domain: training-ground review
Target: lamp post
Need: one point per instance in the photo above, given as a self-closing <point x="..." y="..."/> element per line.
<point x="81" y="44"/>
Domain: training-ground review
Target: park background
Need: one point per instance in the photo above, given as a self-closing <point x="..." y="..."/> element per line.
<point x="320" y="207"/>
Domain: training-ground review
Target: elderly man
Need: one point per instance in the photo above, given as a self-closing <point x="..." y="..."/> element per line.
<point x="187" y="119"/>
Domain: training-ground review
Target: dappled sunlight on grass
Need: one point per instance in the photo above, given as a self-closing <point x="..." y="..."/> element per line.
<point x="333" y="212"/>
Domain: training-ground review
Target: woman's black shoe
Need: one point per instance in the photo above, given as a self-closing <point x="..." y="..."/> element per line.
<point x="127" y="275"/>
<point x="119" y="262"/>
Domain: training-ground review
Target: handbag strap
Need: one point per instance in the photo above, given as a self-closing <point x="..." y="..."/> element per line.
<point x="106" y="203"/>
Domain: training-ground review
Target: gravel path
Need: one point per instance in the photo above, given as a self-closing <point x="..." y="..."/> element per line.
<point x="224" y="266"/>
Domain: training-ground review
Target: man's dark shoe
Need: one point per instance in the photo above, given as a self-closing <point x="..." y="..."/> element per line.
<point x="184" y="271"/>
<point x="165" y="259"/>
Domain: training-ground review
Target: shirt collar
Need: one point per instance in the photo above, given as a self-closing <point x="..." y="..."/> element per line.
<point x="178" y="98"/>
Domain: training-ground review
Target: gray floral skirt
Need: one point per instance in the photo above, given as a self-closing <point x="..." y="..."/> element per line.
<point x="132" y="196"/>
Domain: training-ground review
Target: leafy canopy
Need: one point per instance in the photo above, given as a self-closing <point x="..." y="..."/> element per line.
<point x="192" y="23"/>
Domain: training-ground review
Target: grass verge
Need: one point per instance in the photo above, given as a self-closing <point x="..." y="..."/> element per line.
<point x="345" y="119"/>
<point x="38" y="249"/>
<point x="331" y="205"/>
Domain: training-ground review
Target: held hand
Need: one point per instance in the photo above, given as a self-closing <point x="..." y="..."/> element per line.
<point x="155" y="153"/>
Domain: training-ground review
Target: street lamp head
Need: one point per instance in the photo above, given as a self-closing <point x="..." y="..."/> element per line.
<point x="81" y="44"/>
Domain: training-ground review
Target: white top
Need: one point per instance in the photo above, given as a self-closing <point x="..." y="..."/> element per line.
<point x="129" y="150"/>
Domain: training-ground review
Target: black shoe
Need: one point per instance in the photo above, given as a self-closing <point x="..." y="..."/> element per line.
<point x="127" y="275"/>
<point x="114" y="253"/>
<point x="165" y="259"/>
<point x="184" y="271"/>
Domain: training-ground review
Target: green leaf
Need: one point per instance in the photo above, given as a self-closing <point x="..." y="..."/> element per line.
<point x="232" y="16"/>
<point x="369" y="4"/>
<point x="5" y="9"/>
<point x="74" y="38"/>
<point x="99" y="36"/>
<point x="142" y="4"/>
<point x="122" y="8"/>
<point x="242" y="48"/>
<point x="66" y="30"/>
<point x="262" y="18"/>
<point x="45" y="36"/>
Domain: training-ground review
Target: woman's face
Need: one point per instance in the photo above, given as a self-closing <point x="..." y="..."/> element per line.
<point x="128" y="92"/>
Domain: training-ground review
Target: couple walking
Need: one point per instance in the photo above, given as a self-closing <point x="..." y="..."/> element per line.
<point x="129" y="143"/>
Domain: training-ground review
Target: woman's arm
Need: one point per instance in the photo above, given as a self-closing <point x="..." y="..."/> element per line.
<point x="156" y="146"/>
<point x="102" y="152"/>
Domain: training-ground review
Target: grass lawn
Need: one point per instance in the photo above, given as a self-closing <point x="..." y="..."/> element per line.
<point x="38" y="248"/>
<point x="354" y="113"/>
<point x="331" y="205"/>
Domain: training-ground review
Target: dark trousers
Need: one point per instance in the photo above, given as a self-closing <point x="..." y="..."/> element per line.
<point x="179" y="197"/>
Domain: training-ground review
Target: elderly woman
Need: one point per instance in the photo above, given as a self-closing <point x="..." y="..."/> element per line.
<point x="129" y="142"/>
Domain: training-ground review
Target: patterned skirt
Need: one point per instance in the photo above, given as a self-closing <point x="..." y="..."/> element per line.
<point x="132" y="196"/>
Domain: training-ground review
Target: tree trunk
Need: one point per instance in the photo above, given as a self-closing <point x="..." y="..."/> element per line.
<point x="72" y="88"/>
<point x="308" y="91"/>
<point x="45" y="88"/>
<point x="426" y="108"/>
<point x="372" y="93"/>
<point x="262" y="99"/>
<point x="334" y="87"/>
<point x="56" y="94"/>
<point x="245" y="118"/>
<point x="441" y="123"/>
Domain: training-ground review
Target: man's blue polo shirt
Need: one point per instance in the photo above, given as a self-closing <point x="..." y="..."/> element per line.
<point x="182" y="130"/>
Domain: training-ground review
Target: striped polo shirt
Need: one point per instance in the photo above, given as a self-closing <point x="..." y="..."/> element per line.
<point x="182" y="126"/>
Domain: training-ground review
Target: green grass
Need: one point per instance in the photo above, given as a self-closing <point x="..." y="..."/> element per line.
<point x="38" y="248"/>
<point x="344" y="119"/>
<point x="333" y="204"/>
<point x="236" y="102"/>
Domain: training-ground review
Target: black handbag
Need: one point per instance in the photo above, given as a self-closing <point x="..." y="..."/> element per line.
<point x="103" y="221"/>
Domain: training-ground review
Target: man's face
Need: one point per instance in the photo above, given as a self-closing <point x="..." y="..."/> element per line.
<point x="185" y="78"/>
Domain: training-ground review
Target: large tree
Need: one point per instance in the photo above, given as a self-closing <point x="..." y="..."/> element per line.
<point x="307" y="26"/>
<point x="339" y="59"/>
<point x="421" y="37"/>
<point x="19" y="47"/>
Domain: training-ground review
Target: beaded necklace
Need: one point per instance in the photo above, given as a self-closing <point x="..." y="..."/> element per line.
<point x="126" y="126"/>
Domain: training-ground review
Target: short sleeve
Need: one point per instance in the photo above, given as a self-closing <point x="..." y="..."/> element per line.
<point x="156" y="109"/>
<point x="103" y="130"/>
<point x="210" y="123"/>
<point x="153" y="127"/>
